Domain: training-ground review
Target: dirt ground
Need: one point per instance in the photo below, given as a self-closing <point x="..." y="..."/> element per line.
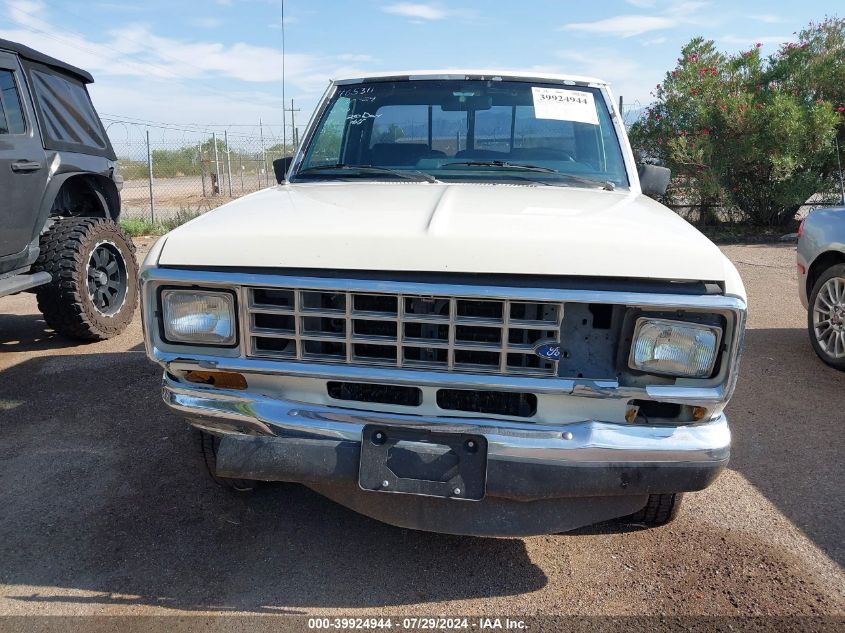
<point x="185" y="193"/>
<point x="106" y="509"/>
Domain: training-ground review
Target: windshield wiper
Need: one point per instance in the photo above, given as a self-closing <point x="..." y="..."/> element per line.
<point x="604" y="184"/>
<point x="410" y="174"/>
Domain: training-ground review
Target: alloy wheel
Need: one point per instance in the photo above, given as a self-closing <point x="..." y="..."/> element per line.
<point x="829" y="318"/>
<point x="107" y="279"/>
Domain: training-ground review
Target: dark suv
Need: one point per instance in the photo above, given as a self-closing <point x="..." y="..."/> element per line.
<point x="60" y="200"/>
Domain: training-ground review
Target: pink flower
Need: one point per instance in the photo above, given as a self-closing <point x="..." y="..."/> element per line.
<point x="705" y="132"/>
<point x="840" y="109"/>
<point x="758" y="45"/>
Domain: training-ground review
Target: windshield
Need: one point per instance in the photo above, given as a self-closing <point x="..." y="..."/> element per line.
<point x="472" y="130"/>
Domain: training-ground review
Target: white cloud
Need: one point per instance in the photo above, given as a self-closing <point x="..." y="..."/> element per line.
<point x="417" y="11"/>
<point x="143" y="74"/>
<point x="629" y="25"/>
<point x="26" y="12"/>
<point x="624" y="25"/>
<point x="655" y="41"/>
<point x="627" y="77"/>
<point x="686" y="8"/>
<point x="135" y="50"/>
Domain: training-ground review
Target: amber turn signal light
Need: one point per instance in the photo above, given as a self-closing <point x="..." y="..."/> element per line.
<point x="219" y="379"/>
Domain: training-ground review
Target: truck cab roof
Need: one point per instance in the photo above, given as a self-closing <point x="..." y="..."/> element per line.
<point x="459" y="73"/>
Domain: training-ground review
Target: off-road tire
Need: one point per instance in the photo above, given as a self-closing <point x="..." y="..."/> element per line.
<point x="67" y="305"/>
<point x="208" y="444"/>
<point x="660" y="510"/>
<point x="837" y="271"/>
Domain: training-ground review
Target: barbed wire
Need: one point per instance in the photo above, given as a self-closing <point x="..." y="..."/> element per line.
<point x="197" y="130"/>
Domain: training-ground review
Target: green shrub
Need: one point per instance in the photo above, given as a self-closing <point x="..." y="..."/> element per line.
<point x="145" y="226"/>
<point x="737" y="131"/>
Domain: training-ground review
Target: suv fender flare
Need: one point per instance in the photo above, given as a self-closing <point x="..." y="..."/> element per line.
<point x="103" y="189"/>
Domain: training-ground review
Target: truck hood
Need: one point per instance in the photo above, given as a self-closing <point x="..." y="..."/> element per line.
<point x="467" y="228"/>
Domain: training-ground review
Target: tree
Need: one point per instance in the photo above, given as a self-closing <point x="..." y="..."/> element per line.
<point x="813" y="69"/>
<point x="733" y="133"/>
<point x="392" y="134"/>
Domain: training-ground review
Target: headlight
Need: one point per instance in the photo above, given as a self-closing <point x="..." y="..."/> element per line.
<point x="200" y="317"/>
<point x="674" y="348"/>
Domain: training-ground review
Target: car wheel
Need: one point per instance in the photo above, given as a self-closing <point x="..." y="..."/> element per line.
<point x="826" y="316"/>
<point x="659" y="510"/>
<point x="208" y="449"/>
<point x="94" y="291"/>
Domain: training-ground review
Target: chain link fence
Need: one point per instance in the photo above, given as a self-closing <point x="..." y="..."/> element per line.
<point x="172" y="172"/>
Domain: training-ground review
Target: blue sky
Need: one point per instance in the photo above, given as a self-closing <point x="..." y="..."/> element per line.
<point x="219" y="61"/>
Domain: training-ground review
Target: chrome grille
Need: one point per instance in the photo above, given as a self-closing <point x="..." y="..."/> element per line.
<point x="443" y="333"/>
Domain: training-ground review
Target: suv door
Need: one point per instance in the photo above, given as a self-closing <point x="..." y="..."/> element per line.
<point x="23" y="162"/>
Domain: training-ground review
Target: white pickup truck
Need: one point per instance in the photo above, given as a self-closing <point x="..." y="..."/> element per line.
<point x="457" y="312"/>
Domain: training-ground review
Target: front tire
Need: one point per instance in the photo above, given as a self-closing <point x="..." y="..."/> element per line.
<point x="826" y="317"/>
<point x="94" y="291"/>
<point x="659" y="510"/>
<point x="208" y="444"/>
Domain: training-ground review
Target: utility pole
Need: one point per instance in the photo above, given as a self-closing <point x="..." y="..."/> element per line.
<point x="292" y="110"/>
<point x="284" y="131"/>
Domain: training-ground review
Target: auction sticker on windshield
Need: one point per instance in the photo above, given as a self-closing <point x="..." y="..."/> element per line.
<point x="564" y="105"/>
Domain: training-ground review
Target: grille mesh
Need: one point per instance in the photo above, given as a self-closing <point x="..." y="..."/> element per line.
<point x="442" y="333"/>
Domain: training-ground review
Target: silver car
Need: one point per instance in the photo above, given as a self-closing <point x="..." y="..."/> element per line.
<point x="821" y="282"/>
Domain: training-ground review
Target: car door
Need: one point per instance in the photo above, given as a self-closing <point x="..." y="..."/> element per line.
<point x="23" y="168"/>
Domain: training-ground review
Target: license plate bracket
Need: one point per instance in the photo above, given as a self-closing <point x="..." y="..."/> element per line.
<point x="423" y="462"/>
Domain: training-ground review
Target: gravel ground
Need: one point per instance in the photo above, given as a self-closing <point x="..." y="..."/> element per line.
<point x="106" y="510"/>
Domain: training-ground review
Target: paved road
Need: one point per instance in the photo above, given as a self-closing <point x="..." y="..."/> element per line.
<point x="105" y="508"/>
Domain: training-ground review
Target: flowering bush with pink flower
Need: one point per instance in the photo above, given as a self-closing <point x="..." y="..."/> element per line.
<point x="750" y="133"/>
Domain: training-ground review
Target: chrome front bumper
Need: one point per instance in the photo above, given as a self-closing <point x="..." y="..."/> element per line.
<point x="620" y="459"/>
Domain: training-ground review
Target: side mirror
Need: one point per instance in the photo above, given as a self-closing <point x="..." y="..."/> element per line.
<point x="654" y="180"/>
<point x="280" y="168"/>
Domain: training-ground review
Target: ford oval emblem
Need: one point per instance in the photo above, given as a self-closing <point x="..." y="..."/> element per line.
<point x="549" y="351"/>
